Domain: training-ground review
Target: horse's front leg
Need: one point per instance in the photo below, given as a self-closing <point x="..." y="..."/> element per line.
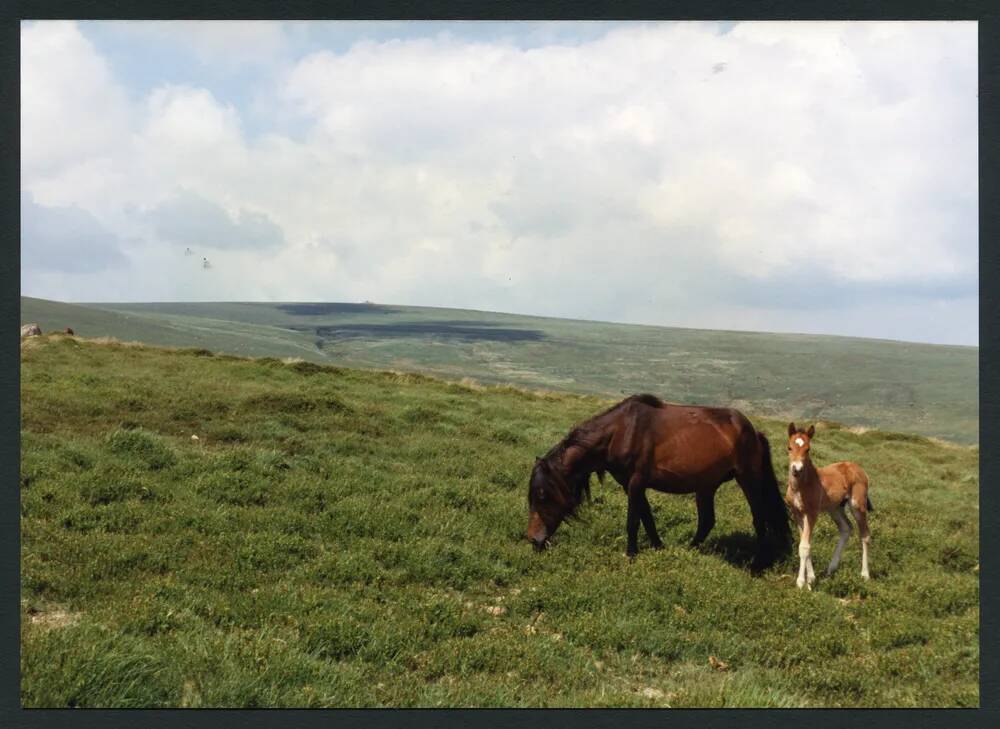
<point x="705" y="501"/>
<point x="646" y="514"/>
<point x="636" y="498"/>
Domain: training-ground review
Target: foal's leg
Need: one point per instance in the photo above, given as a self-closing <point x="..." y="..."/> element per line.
<point x="705" y="501"/>
<point x="861" y="517"/>
<point x="844" y="526"/>
<point x="805" y="538"/>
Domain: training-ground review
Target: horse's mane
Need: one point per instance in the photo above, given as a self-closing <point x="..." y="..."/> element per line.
<point x="586" y="435"/>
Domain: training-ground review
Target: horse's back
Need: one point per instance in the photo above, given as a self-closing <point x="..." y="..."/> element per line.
<point x="845" y="479"/>
<point x="692" y="444"/>
<point x="731" y="419"/>
<point x="852" y="472"/>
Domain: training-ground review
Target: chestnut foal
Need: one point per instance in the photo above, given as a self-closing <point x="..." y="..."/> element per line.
<point x="830" y="489"/>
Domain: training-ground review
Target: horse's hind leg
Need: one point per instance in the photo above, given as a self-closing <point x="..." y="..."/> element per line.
<point x="705" y="501"/>
<point x="861" y="517"/>
<point x="844" y="526"/>
<point x="752" y="492"/>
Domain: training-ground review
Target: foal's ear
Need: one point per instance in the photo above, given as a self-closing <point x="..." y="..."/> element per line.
<point x="791" y="429"/>
<point x="812" y="431"/>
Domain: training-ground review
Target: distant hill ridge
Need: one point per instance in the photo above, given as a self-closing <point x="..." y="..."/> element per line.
<point x="927" y="389"/>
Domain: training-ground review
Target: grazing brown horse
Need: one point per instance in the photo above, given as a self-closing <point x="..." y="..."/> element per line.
<point x="680" y="449"/>
<point x="830" y="489"/>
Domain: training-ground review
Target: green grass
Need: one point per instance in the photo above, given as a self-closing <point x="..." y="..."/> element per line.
<point x="340" y="537"/>
<point x="918" y="388"/>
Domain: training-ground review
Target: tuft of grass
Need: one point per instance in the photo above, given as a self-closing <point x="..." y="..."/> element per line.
<point x="344" y="537"/>
<point x="139" y="445"/>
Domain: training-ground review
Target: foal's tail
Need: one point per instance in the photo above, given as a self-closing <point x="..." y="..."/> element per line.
<point x="778" y="525"/>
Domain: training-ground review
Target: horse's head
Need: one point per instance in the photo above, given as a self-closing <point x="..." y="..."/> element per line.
<point x="798" y="447"/>
<point x="553" y="495"/>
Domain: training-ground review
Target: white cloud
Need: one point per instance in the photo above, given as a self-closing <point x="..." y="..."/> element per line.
<point x="71" y="108"/>
<point x="225" y="44"/>
<point x="621" y="177"/>
<point x="67" y="240"/>
<point x="190" y="220"/>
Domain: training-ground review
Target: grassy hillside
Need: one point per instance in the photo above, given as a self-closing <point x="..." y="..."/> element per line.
<point x="926" y="389"/>
<point x="221" y="335"/>
<point x="340" y="537"/>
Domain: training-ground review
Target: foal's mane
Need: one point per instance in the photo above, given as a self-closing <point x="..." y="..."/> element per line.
<point x="587" y="435"/>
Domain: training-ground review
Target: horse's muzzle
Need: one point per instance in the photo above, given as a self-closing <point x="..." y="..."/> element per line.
<point x="538" y="533"/>
<point x="539" y="544"/>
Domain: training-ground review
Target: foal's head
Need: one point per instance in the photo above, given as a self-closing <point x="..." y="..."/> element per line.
<point x="798" y="447"/>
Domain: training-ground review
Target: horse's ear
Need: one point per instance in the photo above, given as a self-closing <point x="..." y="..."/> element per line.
<point x="812" y="431"/>
<point x="791" y="429"/>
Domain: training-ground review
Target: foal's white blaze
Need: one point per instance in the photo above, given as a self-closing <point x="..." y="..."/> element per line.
<point x="796" y="466"/>
<point x="799" y="442"/>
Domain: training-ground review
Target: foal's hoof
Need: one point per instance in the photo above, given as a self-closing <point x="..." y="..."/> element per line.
<point x="631" y="556"/>
<point x="657" y="545"/>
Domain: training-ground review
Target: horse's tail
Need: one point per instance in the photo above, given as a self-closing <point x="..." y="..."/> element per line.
<point x="776" y="519"/>
<point x="868" y="504"/>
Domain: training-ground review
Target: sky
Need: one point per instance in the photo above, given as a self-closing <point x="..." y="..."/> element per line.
<point x="815" y="177"/>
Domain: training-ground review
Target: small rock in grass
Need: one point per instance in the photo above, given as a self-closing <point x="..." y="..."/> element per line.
<point x="652" y="693"/>
<point x="717" y="664"/>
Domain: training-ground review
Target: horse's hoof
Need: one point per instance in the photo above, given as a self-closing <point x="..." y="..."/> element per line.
<point x="800" y="583"/>
<point x="631" y="556"/>
<point x="657" y="545"/>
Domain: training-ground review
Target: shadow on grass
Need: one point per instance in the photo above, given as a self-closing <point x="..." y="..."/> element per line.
<point x="737" y="548"/>
<point x="342" y="308"/>
<point x="448" y="330"/>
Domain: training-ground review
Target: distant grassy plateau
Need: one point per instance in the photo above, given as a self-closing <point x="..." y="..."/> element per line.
<point x="931" y="390"/>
